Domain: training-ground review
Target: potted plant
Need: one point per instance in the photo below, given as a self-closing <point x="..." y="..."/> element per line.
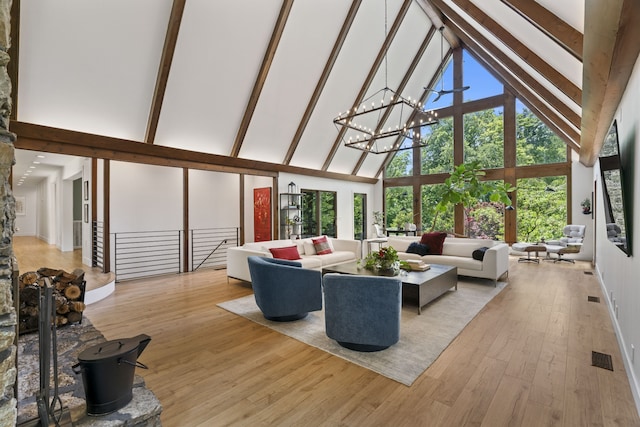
<point x="465" y="187"/>
<point x="586" y="206"/>
<point x="384" y="262"/>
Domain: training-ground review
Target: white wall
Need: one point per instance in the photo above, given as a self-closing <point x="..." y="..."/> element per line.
<point x="145" y="197"/>
<point x="26" y="224"/>
<point x="214" y="199"/>
<point x="618" y="273"/>
<point x="581" y="188"/>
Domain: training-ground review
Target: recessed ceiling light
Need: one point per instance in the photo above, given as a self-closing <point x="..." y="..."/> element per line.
<point x="40" y="156"/>
<point x="36" y="163"/>
<point x="32" y="167"/>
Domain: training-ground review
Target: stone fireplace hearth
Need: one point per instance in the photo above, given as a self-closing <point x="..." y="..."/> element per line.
<point x="143" y="410"/>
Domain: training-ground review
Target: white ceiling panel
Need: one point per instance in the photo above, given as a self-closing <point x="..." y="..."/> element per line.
<point x="534" y="39"/>
<point x="306" y="44"/>
<point x="90" y="66"/>
<point x="358" y="54"/>
<point x="218" y="54"/>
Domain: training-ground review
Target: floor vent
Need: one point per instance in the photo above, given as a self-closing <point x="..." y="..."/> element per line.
<point x="601" y="360"/>
<point x="593" y="299"/>
<point x="589" y="273"/>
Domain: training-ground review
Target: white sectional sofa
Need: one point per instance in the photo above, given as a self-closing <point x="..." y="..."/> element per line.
<point x="343" y="250"/>
<point x="458" y="252"/>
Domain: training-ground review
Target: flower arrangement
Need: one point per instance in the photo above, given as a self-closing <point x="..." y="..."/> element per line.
<point x="384" y="261"/>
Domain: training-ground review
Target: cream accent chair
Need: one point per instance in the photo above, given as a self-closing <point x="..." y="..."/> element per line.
<point x="571" y="243"/>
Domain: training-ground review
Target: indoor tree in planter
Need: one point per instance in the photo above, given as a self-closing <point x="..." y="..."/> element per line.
<point x="464" y="186"/>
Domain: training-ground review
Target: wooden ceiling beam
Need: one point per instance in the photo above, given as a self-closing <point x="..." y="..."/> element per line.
<point x="61" y="141"/>
<point x="555" y="28"/>
<point x="170" y="40"/>
<point x="485" y="49"/>
<point x="436" y="19"/>
<point x="556" y="78"/>
<point x="369" y="79"/>
<point x="403" y="84"/>
<point x="611" y="50"/>
<point x="337" y="46"/>
<point x="267" y="60"/>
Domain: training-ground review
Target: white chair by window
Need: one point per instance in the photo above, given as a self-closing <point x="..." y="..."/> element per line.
<point x="570" y="243"/>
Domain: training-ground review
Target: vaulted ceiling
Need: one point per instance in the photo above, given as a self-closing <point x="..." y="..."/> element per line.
<point x="245" y="85"/>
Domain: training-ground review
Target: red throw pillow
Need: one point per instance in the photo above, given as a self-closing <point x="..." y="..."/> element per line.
<point x="321" y="244"/>
<point x="435" y="241"/>
<point x="288" y="252"/>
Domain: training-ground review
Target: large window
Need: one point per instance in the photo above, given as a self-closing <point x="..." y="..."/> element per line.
<point x="430" y="218"/>
<point x="484" y="137"/>
<point x="399" y="206"/>
<point x="359" y="216"/>
<point x="319" y="213"/>
<point x="541" y="208"/>
<point x="540" y="202"/>
<point x="535" y="143"/>
<point x="437" y="156"/>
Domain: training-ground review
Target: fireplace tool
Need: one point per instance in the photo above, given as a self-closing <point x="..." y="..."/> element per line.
<point x="50" y="409"/>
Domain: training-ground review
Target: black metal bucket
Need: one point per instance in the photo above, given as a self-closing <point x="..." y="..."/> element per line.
<point x="107" y="373"/>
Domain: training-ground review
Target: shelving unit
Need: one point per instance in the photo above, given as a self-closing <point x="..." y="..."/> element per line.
<point x="290" y="215"/>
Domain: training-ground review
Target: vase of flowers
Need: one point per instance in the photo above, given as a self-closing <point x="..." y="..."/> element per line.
<point x="384" y="262"/>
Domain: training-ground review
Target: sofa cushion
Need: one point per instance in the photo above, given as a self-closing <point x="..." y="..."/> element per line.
<point x="321" y="245"/>
<point x="288" y="252"/>
<point x="457" y="261"/>
<point x="336" y="257"/>
<point x="479" y="253"/>
<point x="418" y="248"/>
<point x="435" y="241"/>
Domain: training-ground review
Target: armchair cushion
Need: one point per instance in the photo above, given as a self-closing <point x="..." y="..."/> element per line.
<point x="283" y="290"/>
<point x="363" y="313"/>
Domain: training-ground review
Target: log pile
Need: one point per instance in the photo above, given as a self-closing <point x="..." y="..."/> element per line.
<point x="68" y="294"/>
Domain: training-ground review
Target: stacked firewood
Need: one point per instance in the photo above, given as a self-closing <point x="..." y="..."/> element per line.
<point x="68" y="295"/>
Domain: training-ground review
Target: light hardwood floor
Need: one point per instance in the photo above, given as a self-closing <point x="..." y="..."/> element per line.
<point x="525" y="360"/>
<point x="33" y="253"/>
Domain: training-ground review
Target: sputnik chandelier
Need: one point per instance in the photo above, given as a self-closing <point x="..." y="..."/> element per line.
<point x="384" y="122"/>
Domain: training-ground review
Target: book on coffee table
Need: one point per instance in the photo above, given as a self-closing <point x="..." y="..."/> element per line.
<point x="418" y="265"/>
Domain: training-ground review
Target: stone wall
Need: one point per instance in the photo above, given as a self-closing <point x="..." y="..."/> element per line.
<point x="8" y="408"/>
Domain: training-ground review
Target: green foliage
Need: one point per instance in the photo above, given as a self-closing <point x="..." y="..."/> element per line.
<point x="541" y="214"/>
<point x="535" y="143"/>
<point x="437" y="156"/>
<point x="398" y="201"/>
<point x="464" y="186"/>
<point x="484" y="138"/>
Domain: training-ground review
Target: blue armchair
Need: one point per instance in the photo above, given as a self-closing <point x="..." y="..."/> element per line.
<point x="362" y="313"/>
<point x="284" y="291"/>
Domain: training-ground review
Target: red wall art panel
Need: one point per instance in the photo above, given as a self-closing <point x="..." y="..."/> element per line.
<point x="261" y="214"/>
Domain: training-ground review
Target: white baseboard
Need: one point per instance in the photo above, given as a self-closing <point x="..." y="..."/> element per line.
<point x="633" y="380"/>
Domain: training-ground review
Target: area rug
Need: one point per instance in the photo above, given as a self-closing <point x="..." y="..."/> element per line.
<point x="422" y="337"/>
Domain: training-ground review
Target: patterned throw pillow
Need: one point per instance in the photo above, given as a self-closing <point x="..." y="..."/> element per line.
<point x="322" y="245"/>
<point x="435" y="241"/>
<point x="418" y="248"/>
<point x="288" y="252"/>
